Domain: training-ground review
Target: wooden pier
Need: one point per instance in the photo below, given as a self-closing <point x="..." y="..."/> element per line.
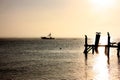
<point x="94" y="47"/>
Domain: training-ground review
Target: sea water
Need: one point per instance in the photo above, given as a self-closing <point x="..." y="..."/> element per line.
<point x="57" y="59"/>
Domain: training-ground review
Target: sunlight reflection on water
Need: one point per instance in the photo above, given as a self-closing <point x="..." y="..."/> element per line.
<point x="101" y="67"/>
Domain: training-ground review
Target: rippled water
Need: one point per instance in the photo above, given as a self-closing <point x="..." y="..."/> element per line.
<point x="60" y="59"/>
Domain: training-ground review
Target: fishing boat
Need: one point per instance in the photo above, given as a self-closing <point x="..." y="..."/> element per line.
<point x="48" y="37"/>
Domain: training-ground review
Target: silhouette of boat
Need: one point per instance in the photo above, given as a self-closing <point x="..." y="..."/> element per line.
<point x="48" y="37"/>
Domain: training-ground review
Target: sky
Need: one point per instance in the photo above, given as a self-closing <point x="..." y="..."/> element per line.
<point x="62" y="18"/>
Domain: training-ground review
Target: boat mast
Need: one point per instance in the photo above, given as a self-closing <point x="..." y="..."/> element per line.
<point x="49" y="35"/>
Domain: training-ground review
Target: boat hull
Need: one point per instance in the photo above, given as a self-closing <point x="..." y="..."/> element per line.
<point x="47" y="38"/>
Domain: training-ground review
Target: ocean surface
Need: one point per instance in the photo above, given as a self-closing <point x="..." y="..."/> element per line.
<point x="59" y="59"/>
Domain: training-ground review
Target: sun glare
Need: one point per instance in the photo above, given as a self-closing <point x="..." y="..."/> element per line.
<point x="102" y="4"/>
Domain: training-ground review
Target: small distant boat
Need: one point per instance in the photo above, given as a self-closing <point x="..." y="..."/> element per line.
<point x="48" y="37"/>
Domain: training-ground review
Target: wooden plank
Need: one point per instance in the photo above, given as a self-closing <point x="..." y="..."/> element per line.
<point x="114" y="46"/>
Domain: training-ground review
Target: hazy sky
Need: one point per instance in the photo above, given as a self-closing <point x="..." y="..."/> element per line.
<point x="63" y="18"/>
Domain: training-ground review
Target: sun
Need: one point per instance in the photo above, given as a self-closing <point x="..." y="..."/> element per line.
<point x="102" y="4"/>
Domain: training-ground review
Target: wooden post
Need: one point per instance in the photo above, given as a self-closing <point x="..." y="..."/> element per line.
<point x="93" y="49"/>
<point x="118" y="49"/>
<point x="106" y="50"/>
<point x="86" y="45"/>
<point x="108" y="47"/>
<point x="97" y="41"/>
<point x="118" y="53"/>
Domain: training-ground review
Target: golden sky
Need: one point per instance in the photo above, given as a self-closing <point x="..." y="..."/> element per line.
<point x="62" y="18"/>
